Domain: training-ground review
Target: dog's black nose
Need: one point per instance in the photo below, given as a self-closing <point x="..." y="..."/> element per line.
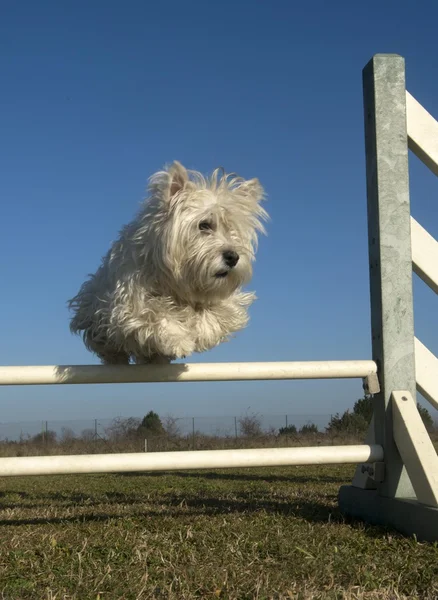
<point x="231" y="258"/>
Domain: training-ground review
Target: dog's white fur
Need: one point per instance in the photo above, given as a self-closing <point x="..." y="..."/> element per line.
<point x="165" y="288"/>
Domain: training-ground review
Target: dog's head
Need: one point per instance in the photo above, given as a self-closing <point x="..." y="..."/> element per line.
<point x="204" y="230"/>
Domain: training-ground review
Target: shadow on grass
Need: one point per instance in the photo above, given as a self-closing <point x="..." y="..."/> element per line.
<point x="176" y="506"/>
<point x="244" y="477"/>
<point x="207" y="507"/>
<point x="188" y="505"/>
<point x="66" y="500"/>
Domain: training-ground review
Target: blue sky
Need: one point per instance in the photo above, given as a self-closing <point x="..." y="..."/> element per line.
<point x="96" y="96"/>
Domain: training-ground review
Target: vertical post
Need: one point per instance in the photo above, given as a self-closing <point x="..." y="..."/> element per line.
<point x="47" y="430"/>
<point x="286" y="421"/>
<point x="390" y="257"/>
<point x="95" y="430"/>
<point x="391" y="502"/>
<point x="193" y="431"/>
<point x="235" y="426"/>
<point x="145" y="444"/>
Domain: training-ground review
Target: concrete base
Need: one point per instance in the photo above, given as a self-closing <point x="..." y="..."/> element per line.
<point x="405" y="516"/>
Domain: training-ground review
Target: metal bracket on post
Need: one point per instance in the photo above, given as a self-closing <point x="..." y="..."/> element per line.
<point x="362" y="478"/>
<point x="370" y="384"/>
<point x="375" y="471"/>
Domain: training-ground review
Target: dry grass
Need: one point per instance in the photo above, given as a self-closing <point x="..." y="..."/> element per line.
<point x="176" y="443"/>
<point x="248" y="534"/>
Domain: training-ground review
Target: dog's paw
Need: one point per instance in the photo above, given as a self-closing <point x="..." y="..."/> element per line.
<point x="174" y="340"/>
<point x="181" y="350"/>
<point x="153" y="359"/>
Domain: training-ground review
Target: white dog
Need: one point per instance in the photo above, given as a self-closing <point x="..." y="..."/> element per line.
<point x="171" y="283"/>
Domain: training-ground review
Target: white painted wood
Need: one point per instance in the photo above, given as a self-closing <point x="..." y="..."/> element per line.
<point x="422" y="133"/>
<point x="426" y="367"/>
<point x="415" y="447"/>
<point x="424" y="255"/>
<point x="256" y="371"/>
<point x="178" y="461"/>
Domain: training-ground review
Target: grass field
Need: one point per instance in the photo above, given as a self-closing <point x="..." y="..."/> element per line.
<point x="262" y="533"/>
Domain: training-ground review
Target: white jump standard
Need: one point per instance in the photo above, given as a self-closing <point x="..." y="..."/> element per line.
<point x="396" y="481"/>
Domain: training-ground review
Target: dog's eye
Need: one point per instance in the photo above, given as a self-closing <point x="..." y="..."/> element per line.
<point x="205" y="226"/>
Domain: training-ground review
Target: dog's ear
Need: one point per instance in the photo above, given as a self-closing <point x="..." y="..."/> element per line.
<point x="166" y="184"/>
<point x="178" y="177"/>
<point x="253" y="189"/>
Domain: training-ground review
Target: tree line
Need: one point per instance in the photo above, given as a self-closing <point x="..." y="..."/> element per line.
<point x="353" y="423"/>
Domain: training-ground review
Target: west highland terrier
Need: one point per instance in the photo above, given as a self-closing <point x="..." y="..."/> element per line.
<point x="171" y="283"/>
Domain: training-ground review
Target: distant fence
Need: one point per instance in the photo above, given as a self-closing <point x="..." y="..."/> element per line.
<point x="128" y="434"/>
<point x="217" y="426"/>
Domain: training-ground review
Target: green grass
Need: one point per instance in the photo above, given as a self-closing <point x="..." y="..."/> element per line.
<point x="262" y="533"/>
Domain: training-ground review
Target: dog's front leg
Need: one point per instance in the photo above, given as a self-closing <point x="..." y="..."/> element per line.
<point x="153" y="359"/>
<point x="164" y="340"/>
<point x="174" y="339"/>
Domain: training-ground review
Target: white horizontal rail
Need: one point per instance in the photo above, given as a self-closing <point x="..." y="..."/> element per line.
<point x="179" y="461"/>
<point x="426" y="368"/>
<point x="424" y="255"/>
<point x="85" y="374"/>
<point x="422" y="133"/>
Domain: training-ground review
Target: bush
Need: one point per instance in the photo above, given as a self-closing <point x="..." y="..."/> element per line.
<point x="289" y="430"/>
<point x="309" y="428"/>
<point x="151" y="425"/>
<point x="123" y="429"/>
<point x="250" y="426"/>
<point x="87" y="435"/>
<point x="171" y="428"/>
<point x="425" y="415"/>
<point x="67" y="435"/>
<point x="351" y="423"/>
<point x="45" y="437"/>
<point x="364" y="407"/>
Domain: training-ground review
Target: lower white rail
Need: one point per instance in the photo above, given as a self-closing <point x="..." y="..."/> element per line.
<point x="179" y="461"/>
